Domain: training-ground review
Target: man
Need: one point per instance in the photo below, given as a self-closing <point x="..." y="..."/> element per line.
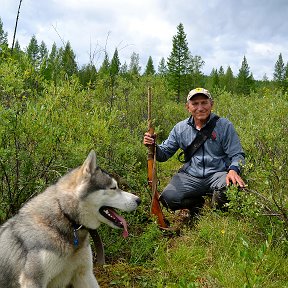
<point x="213" y="166"/>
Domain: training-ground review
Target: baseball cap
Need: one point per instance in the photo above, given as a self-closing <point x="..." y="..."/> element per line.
<point x="197" y="91"/>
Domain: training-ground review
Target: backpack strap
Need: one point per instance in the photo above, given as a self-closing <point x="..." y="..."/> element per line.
<point x="201" y="137"/>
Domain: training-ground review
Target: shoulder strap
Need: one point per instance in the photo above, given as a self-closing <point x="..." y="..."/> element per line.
<point x="201" y="137"/>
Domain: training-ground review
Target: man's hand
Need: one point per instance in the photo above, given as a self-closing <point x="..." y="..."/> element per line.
<point x="148" y="139"/>
<point x="234" y="178"/>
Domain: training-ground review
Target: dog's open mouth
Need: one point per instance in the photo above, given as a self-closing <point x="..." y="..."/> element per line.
<point x="110" y="214"/>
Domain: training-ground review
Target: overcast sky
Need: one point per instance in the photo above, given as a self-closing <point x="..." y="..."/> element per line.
<point x="222" y="32"/>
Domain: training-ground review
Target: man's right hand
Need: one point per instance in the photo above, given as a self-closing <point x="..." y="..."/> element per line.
<point x="149" y="139"/>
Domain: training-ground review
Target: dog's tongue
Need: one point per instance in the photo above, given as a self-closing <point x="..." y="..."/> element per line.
<point x="123" y="221"/>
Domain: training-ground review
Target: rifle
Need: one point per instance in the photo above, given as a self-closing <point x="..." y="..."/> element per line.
<point x="152" y="177"/>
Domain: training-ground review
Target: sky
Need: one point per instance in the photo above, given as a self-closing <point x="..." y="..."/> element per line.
<point x="222" y="32"/>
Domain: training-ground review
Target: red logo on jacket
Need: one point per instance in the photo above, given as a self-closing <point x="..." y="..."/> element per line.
<point x="213" y="135"/>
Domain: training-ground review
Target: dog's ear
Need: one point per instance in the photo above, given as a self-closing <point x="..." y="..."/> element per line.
<point x="89" y="166"/>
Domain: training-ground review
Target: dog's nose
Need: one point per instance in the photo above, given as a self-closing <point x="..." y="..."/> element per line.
<point x="138" y="201"/>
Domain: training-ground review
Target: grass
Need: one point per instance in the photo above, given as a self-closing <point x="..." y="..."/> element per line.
<point x="237" y="249"/>
<point x="219" y="250"/>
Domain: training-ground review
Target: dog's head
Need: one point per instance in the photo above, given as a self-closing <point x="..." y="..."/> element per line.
<point x="98" y="195"/>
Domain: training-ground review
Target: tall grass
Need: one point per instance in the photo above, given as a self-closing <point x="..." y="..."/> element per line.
<point x="42" y="136"/>
<point x="246" y="246"/>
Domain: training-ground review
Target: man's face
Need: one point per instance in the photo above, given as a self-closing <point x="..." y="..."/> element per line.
<point x="200" y="107"/>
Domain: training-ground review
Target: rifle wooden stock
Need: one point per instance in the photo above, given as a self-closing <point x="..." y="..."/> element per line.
<point x="152" y="176"/>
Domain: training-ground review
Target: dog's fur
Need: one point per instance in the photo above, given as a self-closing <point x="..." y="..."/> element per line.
<point x="38" y="246"/>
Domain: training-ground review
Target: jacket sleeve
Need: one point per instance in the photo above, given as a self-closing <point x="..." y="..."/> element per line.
<point x="232" y="147"/>
<point x="168" y="147"/>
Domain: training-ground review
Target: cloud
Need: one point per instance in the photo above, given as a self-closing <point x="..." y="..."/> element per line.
<point x="222" y="32"/>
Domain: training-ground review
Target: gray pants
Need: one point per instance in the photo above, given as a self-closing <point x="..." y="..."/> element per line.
<point x="187" y="191"/>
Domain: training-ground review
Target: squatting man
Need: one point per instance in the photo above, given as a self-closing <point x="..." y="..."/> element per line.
<point x="213" y="166"/>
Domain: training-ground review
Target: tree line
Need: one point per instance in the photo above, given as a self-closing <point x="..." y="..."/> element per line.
<point x="181" y="71"/>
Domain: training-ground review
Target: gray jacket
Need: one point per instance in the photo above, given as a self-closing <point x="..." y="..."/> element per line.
<point x="221" y="152"/>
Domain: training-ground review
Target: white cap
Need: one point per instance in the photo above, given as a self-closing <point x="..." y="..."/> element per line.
<point x="197" y="91"/>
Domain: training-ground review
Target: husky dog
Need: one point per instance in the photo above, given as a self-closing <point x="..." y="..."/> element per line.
<point x="47" y="245"/>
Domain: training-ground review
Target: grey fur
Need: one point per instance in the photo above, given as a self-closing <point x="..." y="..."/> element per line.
<point x="37" y="246"/>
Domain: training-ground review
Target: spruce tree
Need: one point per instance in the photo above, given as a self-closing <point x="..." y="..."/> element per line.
<point x="124" y="69"/>
<point x="115" y="64"/>
<point x="279" y="71"/>
<point x="149" y="70"/>
<point x="265" y="78"/>
<point x="178" y="63"/>
<point x="134" y="67"/>
<point x="285" y="78"/>
<point x="214" y="78"/>
<point x="221" y="75"/>
<point x="3" y="35"/>
<point x="68" y="62"/>
<point x="162" y="69"/>
<point x="229" y="81"/>
<point x="43" y="51"/>
<point x="17" y="52"/>
<point x="114" y="71"/>
<point x="33" y="51"/>
<point x="244" y="78"/>
<point x="43" y="58"/>
<point x="221" y="71"/>
<point x="52" y="72"/>
<point x="194" y="77"/>
<point x="104" y="68"/>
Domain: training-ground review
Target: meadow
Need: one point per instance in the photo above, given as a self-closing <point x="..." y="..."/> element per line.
<point x="49" y="128"/>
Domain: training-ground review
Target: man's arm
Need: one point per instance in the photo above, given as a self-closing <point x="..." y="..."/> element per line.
<point x="234" y="150"/>
<point x="166" y="149"/>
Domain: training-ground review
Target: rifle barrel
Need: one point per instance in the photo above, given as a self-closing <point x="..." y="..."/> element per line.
<point x="152" y="176"/>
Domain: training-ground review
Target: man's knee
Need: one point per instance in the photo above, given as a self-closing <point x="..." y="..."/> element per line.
<point x="174" y="203"/>
<point x="169" y="200"/>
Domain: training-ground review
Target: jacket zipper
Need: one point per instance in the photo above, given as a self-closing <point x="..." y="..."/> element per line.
<point x="203" y="162"/>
